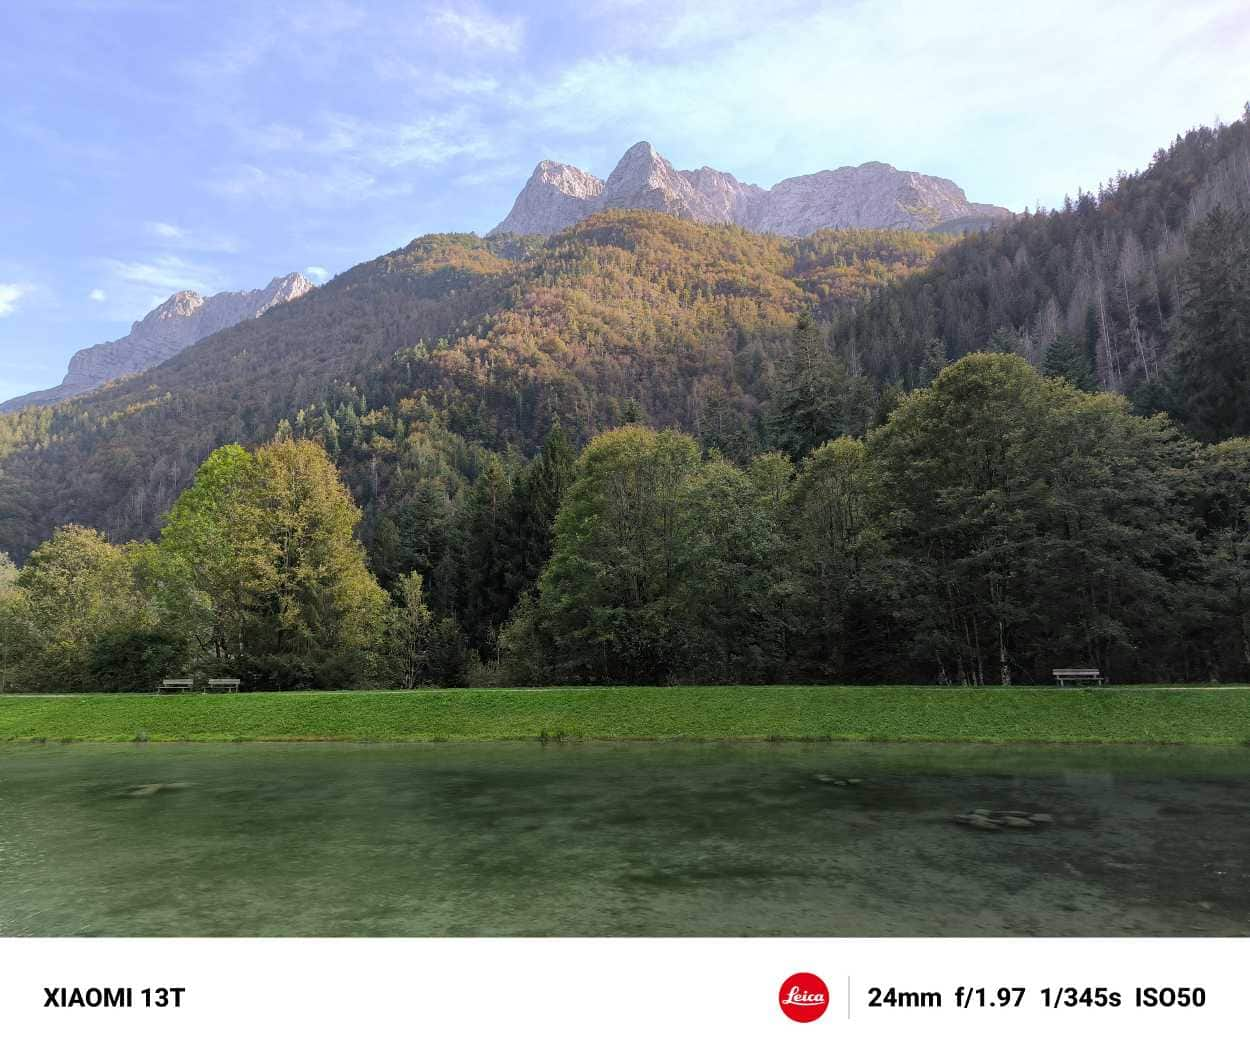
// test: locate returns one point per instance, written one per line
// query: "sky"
(152, 146)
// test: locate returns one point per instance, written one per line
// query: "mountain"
(872, 195)
(417, 369)
(456, 344)
(182, 320)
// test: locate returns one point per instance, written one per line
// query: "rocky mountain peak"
(555, 196)
(180, 320)
(183, 303)
(871, 195)
(639, 166)
(643, 179)
(283, 288)
(568, 179)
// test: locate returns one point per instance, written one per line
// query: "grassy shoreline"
(1112, 715)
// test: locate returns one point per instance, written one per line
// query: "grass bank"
(1189, 715)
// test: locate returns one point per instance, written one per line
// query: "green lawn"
(1190, 715)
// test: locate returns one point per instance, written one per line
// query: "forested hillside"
(1146, 283)
(997, 525)
(843, 500)
(454, 344)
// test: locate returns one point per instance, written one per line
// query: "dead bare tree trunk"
(1110, 354)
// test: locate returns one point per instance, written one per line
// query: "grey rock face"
(729, 199)
(555, 196)
(873, 195)
(169, 328)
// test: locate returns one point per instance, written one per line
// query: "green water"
(620, 839)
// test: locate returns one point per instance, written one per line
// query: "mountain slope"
(469, 336)
(1109, 272)
(872, 195)
(182, 320)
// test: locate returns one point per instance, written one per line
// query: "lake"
(621, 839)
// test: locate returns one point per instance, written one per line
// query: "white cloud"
(128, 288)
(479, 29)
(351, 159)
(10, 295)
(430, 142)
(317, 273)
(421, 80)
(388, 144)
(187, 239)
(166, 231)
(165, 273)
(310, 186)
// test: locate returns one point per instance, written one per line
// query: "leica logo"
(803, 997)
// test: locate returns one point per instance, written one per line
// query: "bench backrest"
(224, 682)
(177, 682)
(1076, 671)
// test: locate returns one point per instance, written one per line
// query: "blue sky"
(152, 146)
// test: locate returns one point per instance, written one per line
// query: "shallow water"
(620, 839)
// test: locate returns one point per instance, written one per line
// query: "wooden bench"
(175, 686)
(1077, 675)
(230, 686)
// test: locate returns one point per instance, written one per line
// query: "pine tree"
(1065, 358)
(1214, 354)
(806, 405)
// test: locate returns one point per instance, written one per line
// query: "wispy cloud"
(480, 29)
(165, 231)
(187, 239)
(134, 286)
(423, 81)
(351, 159)
(317, 273)
(10, 295)
(303, 186)
(56, 144)
(165, 272)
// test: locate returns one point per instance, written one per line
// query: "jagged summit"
(555, 196)
(871, 195)
(181, 320)
(643, 179)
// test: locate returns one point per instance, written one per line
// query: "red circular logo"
(803, 997)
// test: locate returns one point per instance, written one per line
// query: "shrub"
(135, 659)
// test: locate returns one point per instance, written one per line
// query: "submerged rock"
(156, 787)
(984, 818)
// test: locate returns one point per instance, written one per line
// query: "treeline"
(998, 524)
